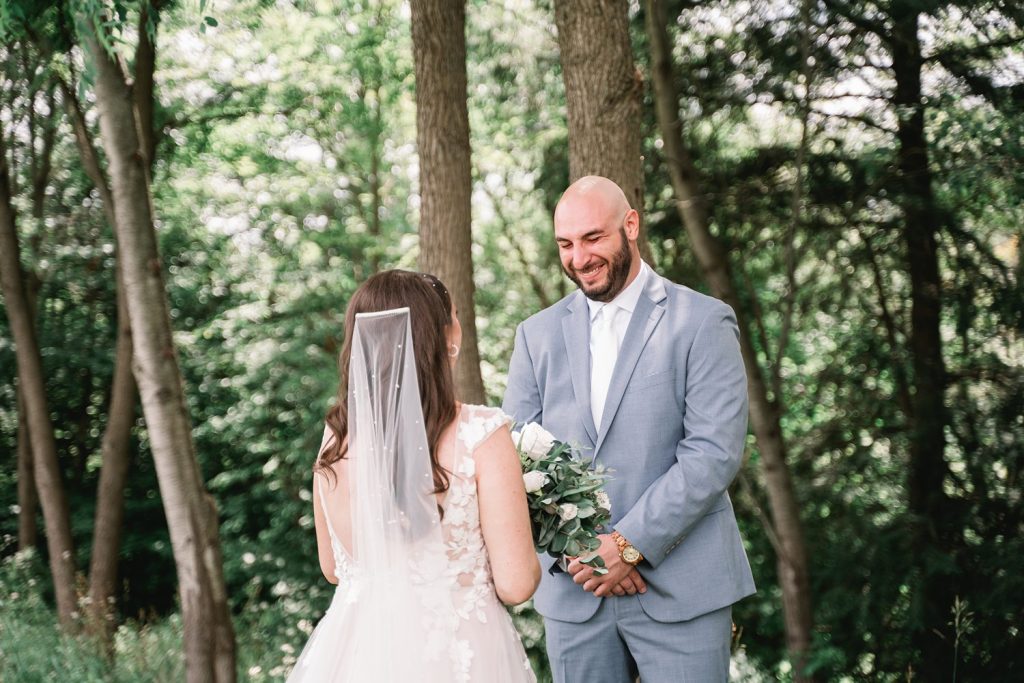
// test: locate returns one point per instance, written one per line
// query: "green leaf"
(570, 527)
(558, 543)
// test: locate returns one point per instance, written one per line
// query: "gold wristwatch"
(629, 554)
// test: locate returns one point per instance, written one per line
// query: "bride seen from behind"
(419, 504)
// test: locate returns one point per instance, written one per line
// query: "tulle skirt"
(367, 637)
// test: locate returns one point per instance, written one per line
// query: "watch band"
(627, 551)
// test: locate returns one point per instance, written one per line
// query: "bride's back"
(484, 518)
(419, 577)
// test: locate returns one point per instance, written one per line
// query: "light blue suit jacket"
(673, 429)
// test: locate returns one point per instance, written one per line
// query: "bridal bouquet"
(568, 504)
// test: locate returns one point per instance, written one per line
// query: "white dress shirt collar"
(627, 298)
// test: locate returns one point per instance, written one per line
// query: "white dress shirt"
(606, 337)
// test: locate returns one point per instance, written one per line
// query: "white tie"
(604, 349)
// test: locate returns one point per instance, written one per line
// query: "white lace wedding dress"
(465, 634)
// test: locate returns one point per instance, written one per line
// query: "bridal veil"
(392, 617)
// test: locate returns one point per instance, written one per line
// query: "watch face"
(630, 555)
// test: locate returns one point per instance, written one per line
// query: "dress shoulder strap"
(478, 423)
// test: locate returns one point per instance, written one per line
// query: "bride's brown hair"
(430, 315)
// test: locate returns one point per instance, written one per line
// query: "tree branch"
(143, 82)
(961, 52)
(790, 257)
(762, 516)
(981, 85)
(868, 24)
(90, 158)
(44, 163)
(859, 118)
(902, 386)
(742, 280)
(535, 283)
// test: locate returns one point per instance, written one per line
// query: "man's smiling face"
(596, 237)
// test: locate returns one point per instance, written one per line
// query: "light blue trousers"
(620, 642)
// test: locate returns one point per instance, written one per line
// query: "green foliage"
(828, 296)
(530, 626)
(566, 497)
(32, 648)
(270, 636)
(286, 173)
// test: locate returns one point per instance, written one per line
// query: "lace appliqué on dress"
(463, 628)
(467, 554)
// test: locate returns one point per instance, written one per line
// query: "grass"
(33, 649)
(269, 637)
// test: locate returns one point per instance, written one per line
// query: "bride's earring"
(453, 350)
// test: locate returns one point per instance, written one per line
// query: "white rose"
(534, 481)
(567, 511)
(535, 441)
(603, 501)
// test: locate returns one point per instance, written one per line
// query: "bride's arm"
(323, 537)
(505, 519)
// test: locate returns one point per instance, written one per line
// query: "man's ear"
(632, 225)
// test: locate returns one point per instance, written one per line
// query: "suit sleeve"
(522, 397)
(711, 450)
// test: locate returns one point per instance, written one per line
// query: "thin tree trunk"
(46, 467)
(115, 451)
(42, 164)
(797, 201)
(39, 172)
(28, 499)
(115, 448)
(603, 90)
(903, 396)
(928, 503)
(191, 513)
(506, 228)
(765, 414)
(375, 159)
(442, 136)
(142, 85)
(87, 151)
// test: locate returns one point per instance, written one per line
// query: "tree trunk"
(142, 85)
(928, 503)
(791, 560)
(43, 163)
(442, 135)
(46, 467)
(116, 452)
(376, 151)
(191, 513)
(28, 500)
(116, 444)
(602, 92)
(28, 497)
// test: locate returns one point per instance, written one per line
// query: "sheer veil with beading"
(392, 617)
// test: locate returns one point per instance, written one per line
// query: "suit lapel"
(645, 319)
(576, 331)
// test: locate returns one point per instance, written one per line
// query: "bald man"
(647, 376)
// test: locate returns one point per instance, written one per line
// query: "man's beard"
(618, 273)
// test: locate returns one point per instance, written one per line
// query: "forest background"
(208, 182)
